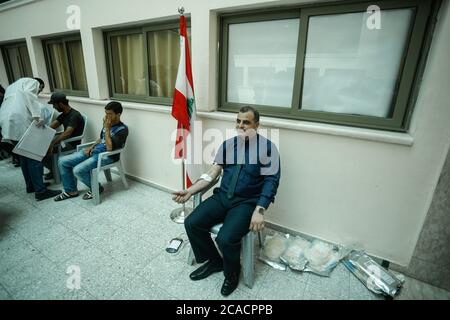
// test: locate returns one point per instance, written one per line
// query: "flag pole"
(178, 215)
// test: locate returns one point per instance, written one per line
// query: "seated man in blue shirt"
(80, 164)
(251, 175)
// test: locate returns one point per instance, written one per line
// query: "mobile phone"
(174, 245)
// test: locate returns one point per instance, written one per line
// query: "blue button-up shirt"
(260, 173)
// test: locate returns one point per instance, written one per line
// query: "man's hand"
(107, 123)
(181, 196)
(39, 122)
(88, 151)
(257, 222)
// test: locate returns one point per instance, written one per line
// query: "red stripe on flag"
(183, 32)
(180, 109)
(179, 143)
(188, 181)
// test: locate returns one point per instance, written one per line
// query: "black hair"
(255, 112)
(114, 106)
(41, 82)
(2, 90)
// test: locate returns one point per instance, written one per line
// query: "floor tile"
(119, 249)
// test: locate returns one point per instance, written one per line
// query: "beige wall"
(347, 185)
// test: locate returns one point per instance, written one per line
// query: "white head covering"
(20, 105)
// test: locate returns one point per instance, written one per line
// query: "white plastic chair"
(59, 151)
(106, 169)
(247, 246)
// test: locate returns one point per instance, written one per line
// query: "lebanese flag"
(183, 107)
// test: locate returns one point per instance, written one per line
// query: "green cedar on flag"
(183, 107)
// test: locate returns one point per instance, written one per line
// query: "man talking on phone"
(79, 164)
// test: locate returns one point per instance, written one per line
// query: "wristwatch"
(261, 210)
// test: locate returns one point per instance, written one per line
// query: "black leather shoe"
(47, 194)
(48, 176)
(229, 285)
(31, 189)
(206, 270)
(16, 162)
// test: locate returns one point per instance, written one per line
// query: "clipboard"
(35, 142)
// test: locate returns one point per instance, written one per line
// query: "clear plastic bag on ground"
(281, 250)
(323, 257)
(372, 275)
(274, 246)
(294, 256)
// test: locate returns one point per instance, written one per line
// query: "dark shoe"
(3, 155)
(31, 190)
(64, 196)
(48, 176)
(47, 194)
(15, 161)
(229, 285)
(206, 270)
(88, 195)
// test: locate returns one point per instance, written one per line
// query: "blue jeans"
(78, 165)
(32, 171)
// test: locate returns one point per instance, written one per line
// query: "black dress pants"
(235, 213)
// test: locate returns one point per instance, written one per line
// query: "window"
(65, 65)
(325, 63)
(262, 64)
(143, 62)
(17, 61)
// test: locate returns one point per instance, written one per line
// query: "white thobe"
(20, 105)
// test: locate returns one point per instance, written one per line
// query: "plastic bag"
(372, 275)
(294, 255)
(281, 250)
(323, 257)
(274, 246)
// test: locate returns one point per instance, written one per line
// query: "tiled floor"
(118, 247)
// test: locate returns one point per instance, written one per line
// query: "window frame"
(406, 78)
(143, 30)
(7, 62)
(50, 68)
